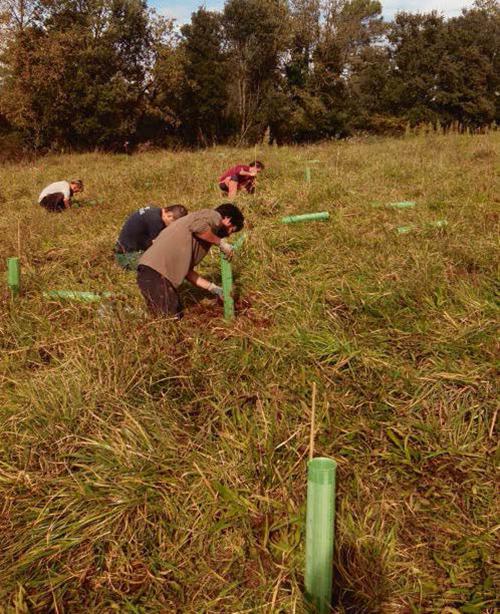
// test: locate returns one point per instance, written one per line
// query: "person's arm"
(67, 203)
(204, 284)
(208, 236)
(250, 173)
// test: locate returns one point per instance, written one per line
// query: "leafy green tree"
(369, 91)
(445, 71)
(256, 33)
(329, 41)
(206, 70)
(418, 43)
(469, 70)
(87, 73)
(161, 120)
(79, 72)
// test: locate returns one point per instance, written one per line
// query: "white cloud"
(449, 7)
(181, 10)
(178, 11)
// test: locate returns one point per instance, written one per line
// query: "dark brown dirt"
(207, 310)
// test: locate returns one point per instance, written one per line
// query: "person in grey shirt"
(178, 249)
(57, 196)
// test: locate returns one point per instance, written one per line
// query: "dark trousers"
(160, 295)
(53, 202)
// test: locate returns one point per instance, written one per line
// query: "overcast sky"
(181, 10)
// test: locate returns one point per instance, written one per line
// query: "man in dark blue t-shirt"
(140, 230)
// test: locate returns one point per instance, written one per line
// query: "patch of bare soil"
(207, 310)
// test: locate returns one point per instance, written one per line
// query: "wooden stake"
(313, 420)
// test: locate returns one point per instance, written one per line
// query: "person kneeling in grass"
(57, 196)
(178, 249)
(140, 230)
(240, 177)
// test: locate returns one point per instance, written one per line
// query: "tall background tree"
(76, 71)
(206, 68)
(256, 33)
(95, 73)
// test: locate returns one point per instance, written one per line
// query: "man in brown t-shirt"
(178, 249)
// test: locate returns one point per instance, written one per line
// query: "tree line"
(111, 74)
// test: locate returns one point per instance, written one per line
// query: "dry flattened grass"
(146, 467)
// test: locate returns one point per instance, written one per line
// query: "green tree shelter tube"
(305, 217)
(74, 295)
(14, 275)
(320, 522)
(307, 174)
(402, 230)
(407, 204)
(227, 280)
(438, 224)
(227, 287)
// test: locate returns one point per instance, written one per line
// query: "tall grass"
(147, 467)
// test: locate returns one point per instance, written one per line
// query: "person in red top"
(240, 177)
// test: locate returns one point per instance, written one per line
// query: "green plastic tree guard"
(227, 280)
(308, 174)
(227, 287)
(320, 523)
(14, 275)
(403, 205)
(403, 230)
(74, 295)
(305, 217)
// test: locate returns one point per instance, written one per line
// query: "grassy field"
(152, 467)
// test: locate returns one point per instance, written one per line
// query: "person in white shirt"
(57, 196)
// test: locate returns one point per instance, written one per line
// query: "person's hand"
(216, 290)
(226, 248)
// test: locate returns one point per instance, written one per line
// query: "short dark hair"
(258, 164)
(177, 210)
(233, 213)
